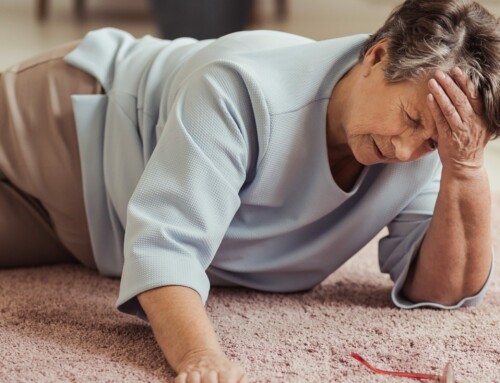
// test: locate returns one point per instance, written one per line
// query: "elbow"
(444, 291)
(444, 298)
(447, 297)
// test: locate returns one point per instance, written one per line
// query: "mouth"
(378, 152)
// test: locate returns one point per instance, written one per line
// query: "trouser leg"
(39, 156)
(26, 237)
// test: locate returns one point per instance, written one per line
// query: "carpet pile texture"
(58, 324)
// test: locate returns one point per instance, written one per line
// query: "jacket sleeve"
(406, 233)
(189, 191)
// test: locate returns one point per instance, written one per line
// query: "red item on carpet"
(445, 377)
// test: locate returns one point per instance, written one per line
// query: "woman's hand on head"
(209, 367)
(457, 111)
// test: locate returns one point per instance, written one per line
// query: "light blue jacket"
(206, 164)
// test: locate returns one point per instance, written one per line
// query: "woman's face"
(388, 123)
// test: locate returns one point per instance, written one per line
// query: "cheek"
(371, 124)
(363, 126)
(362, 149)
(376, 117)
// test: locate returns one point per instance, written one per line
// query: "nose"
(405, 148)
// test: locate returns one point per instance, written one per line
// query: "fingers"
(181, 378)
(231, 376)
(212, 367)
(461, 91)
(440, 120)
(469, 89)
(453, 102)
(210, 377)
(194, 377)
(448, 116)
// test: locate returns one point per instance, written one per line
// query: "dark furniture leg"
(79, 9)
(41, 9)
(281, 9)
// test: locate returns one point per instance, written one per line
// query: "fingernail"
(457, 71)
(433, 83)
(440, 74)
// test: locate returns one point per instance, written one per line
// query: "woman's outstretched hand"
(186, 336)
(457, 111)
(209, 367)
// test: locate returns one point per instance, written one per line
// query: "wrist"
(465, 186)
(464, 173)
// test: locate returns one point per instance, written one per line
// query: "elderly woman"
(260, 159)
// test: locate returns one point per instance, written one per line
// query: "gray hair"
(424, 35)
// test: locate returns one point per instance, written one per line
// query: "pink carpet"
(57, 324)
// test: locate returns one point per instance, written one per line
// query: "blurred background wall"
(23, 34)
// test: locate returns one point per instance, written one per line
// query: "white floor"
(22, 36)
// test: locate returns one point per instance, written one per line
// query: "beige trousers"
(42, 214)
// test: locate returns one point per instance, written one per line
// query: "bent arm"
(455, 256)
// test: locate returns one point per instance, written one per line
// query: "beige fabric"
(42, 214)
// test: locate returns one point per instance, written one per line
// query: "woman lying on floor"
(260, 159)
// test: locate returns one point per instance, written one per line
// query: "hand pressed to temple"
(457, 111)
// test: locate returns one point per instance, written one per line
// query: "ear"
(375, 56)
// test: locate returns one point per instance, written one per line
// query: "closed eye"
(414, 121)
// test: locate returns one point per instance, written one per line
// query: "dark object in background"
(201, 19)
(42, 9)
(196, 18)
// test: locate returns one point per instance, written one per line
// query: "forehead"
(415, 90)
(413, 94)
